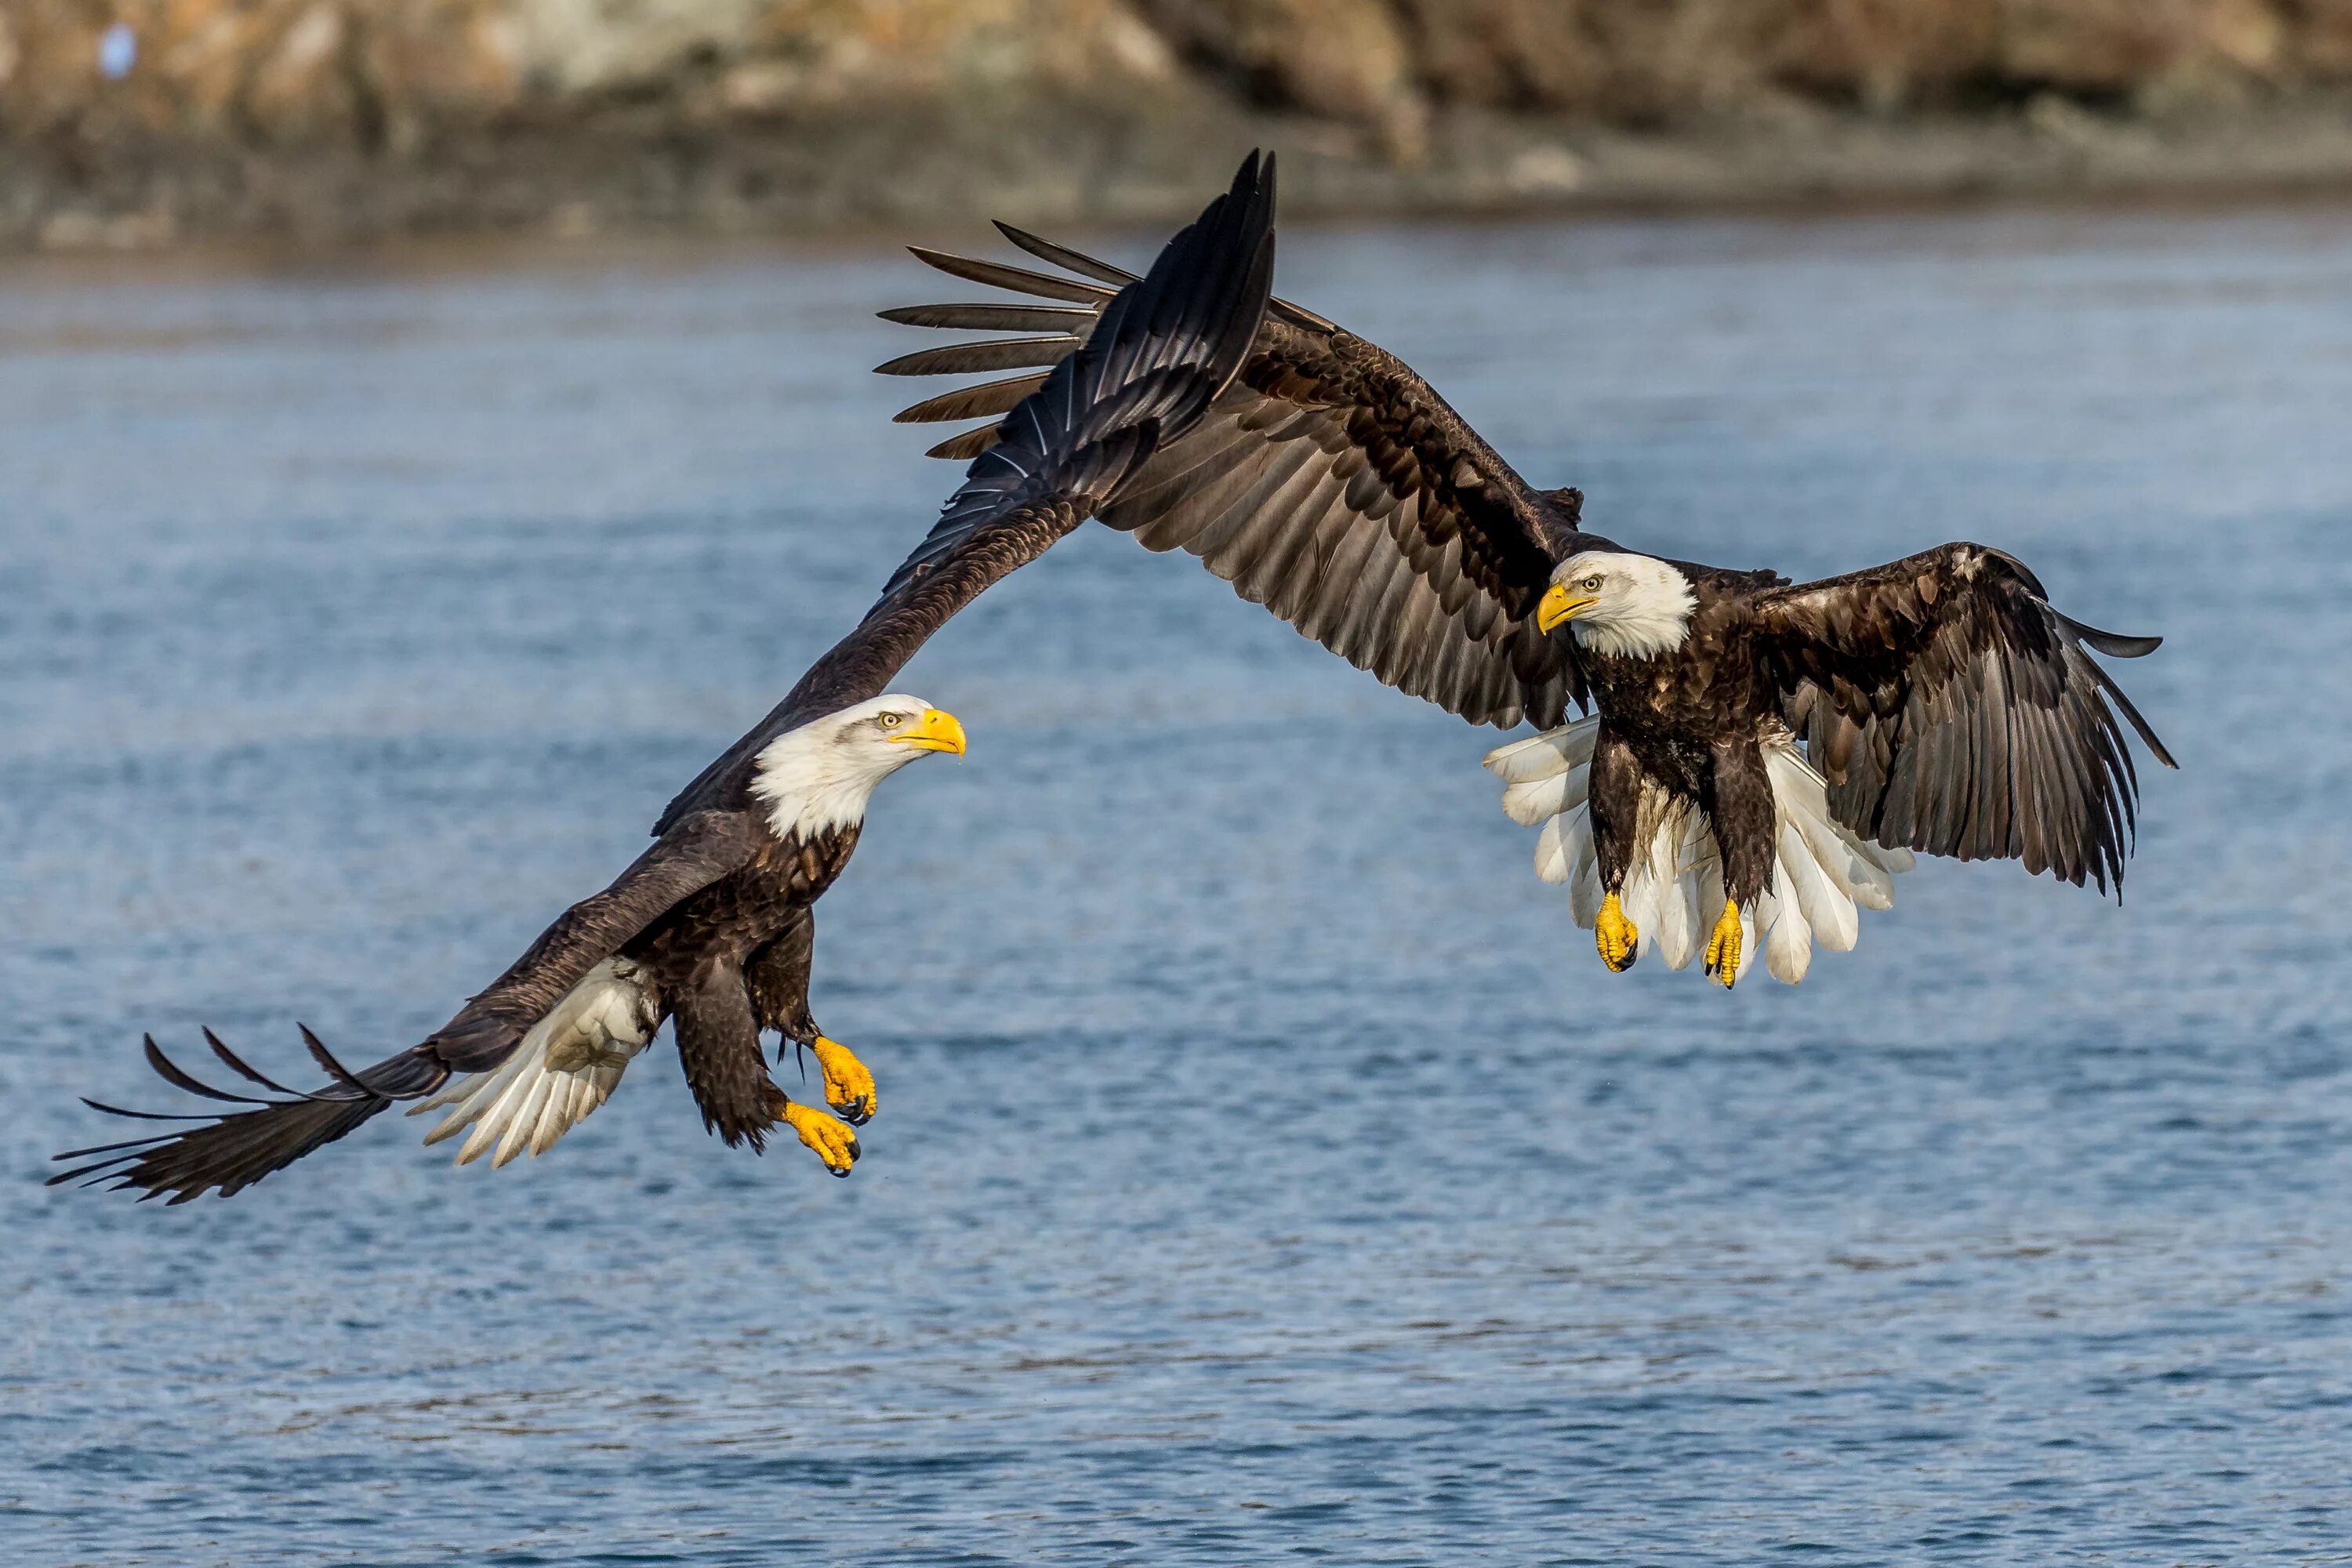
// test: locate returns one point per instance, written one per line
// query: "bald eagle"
(1759, 755)
(712, 927)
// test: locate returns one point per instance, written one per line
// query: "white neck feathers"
(820, 775)
(810, 785)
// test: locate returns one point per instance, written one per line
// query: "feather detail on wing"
(567, 1065)
(1329, 483)
(1953, 711)
(695, 849)
(231, 1149)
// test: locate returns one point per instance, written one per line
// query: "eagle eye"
(889, 720)
(1592, 583)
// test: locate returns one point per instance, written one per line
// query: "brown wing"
(236, 1149)
(1329, 483)
(1955, 712)
(695, 852)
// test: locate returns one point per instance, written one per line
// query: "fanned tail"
(233, 1150)
(1823, 874)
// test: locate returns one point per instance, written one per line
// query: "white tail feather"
(1682, 918)
(1542, 756)
(1552, 863)
(1584, 883)
(1823, 874)
(1827, 909)
(564, 1069)
(1676, 933)
(1530, 803)
(1789, 939)
(1639, 899)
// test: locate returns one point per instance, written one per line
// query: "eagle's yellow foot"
(832, 1142)
(1619, 942)
(848, 1087)
(1723, 946)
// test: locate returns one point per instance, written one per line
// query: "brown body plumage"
(702, 956)
(1690, 723)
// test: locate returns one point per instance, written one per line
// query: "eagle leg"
(1619, 940)
(1722, 945)
(848, 1087)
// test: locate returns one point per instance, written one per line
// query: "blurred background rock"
(132, 123)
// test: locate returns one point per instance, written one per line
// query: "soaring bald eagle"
(712, 927)
(1764, 754)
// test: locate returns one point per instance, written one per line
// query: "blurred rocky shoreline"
(137, 123)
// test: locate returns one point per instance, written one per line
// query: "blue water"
(1266, 1171)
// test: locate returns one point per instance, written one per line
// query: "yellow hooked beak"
(936, 731)
(1559, 606)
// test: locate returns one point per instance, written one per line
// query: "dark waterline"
(1265, 1169)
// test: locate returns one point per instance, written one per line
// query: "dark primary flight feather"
(1329, 483)
(1157, 356)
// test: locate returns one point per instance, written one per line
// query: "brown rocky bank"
(130, 122)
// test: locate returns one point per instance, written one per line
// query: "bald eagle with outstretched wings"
(1760, 754)
(712, 928)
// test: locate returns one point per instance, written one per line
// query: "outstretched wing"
(236, 1149)
(1329, 483)
(1163, 351)
(1955, 712)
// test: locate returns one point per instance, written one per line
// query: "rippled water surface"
(1267, 1170)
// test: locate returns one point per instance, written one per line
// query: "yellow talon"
(1619, 942)
(848, 1087)
(1722, 945)
(832, 1142)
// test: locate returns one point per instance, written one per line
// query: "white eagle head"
(819, 774)
(1631, 606)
